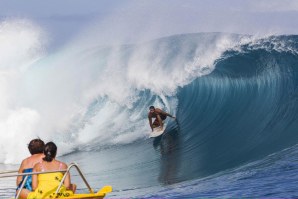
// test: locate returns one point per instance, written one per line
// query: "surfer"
(159, 116)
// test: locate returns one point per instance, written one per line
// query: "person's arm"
(170, 115)
(150, 122)
(34, 177)
(164, 113)
(67, 179)
(19, 178)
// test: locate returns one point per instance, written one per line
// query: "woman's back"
(49, 178)
(49, 182)
(45, 185)
(50, 166)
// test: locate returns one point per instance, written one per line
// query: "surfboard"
(156, 132)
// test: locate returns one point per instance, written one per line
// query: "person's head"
(151, 109)
(36, 146)
(50, 151)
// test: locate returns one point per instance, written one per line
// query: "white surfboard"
(156, 132)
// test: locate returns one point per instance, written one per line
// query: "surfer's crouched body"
(159, 116)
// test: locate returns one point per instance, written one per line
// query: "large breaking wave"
(235, 98)
(79, 95)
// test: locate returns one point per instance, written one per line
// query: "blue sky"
(138, 20)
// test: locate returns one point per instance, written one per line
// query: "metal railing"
(8, 174)
(81, 174)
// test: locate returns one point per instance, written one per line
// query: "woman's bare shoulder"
(63, 165)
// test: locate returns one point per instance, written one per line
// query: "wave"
(244, 110)
(234, 97)
(76, 96)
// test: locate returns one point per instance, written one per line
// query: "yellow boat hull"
(99, 195)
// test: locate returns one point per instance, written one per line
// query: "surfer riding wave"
(159, 116)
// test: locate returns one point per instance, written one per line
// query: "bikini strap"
(41, 165)
(60, 166)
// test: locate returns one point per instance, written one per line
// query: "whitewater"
(234, 96)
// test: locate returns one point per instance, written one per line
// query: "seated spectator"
(45, 185)
(36, 147)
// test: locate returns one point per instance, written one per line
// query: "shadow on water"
(168, 145)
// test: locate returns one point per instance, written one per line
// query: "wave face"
(235, 98)
(244, 110)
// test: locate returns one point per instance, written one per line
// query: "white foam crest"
(16, 131)
(112, 82)
(276, 44)
(114, 124)
(203, 63)
(21, 44)
(61, 88)
(20, 47)
(267, 42)
(146, 72)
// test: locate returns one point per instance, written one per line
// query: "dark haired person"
(159, 116)
(45, 185)
(36, 147)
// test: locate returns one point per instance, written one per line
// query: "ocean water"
(234, 96)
